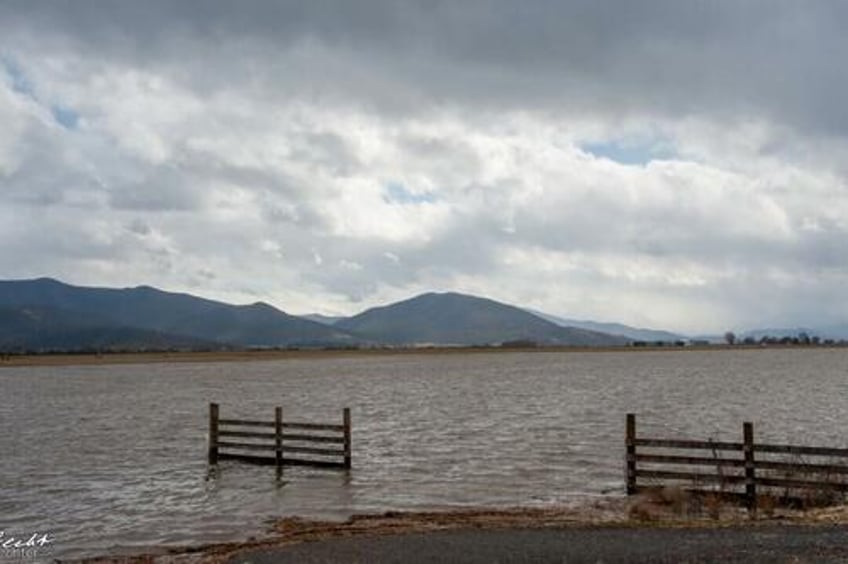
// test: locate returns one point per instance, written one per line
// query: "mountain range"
(46, 315)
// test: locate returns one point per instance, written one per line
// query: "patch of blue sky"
(21, 83)
(630, 152)
(17, 77)
(397, 193)
(66, 117)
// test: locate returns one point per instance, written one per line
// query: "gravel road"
(772, 543)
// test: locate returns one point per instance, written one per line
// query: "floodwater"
(112, 459)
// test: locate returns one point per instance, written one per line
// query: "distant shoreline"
(117, 358)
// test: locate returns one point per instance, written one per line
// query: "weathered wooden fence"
(242, 438)
(735, 469)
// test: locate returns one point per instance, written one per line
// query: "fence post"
(213, 433)
(630, 443)
(347, 437)
(750, 471)
(278, 437)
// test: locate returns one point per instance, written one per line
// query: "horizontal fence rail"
(733, 465)
(315, 440)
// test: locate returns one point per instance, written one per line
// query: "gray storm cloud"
(773, 58)
(666, 163)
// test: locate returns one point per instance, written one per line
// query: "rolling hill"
(458, 319)
(180, 318)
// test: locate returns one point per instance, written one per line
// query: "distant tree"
(730, 338)
(804, 338)
(520, 344)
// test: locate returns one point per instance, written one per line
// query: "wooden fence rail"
(732, 465)
(278, 442)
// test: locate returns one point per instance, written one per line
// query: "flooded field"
(113, 458)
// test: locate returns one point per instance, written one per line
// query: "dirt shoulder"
(646, 513)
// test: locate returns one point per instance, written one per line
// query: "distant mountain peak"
(45, 280)
(147, 288)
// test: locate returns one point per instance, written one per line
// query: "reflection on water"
(114, 457)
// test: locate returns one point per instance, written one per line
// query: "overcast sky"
(680, 165)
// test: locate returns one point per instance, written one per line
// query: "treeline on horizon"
(802, 339)
(799, 341)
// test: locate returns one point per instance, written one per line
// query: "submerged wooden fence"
(737, 469)
(281, 439)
